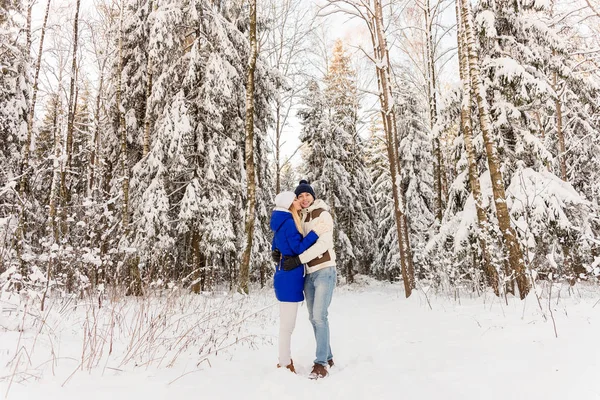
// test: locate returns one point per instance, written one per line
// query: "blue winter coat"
(289, 285)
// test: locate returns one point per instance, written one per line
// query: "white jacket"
(321, 254)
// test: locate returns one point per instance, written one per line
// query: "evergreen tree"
(14, 97)
(386, 263)
(527, 68)
(189, 191)
(417, 174)
(335, 163)
(14, 109)
(415, 158)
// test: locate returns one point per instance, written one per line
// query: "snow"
(487, 20)
(543, 195)
(385, 347)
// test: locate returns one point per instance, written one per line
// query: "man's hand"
(289, 263)
(276, 255)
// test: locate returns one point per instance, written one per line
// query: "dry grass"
(126, 333)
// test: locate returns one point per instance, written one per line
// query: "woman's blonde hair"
(297, 219)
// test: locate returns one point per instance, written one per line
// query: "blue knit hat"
(304, 187)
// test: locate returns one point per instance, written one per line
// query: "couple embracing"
(303, 250)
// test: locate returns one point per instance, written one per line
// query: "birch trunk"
(149, 72)
(146, 148)
(467, 128)
(26, 149)
(250, 174)
(56, 172)
(515, 255)
(28, 25)
(278, 165)
(559, 130)
(198, 264)
(431, 94)
(388, 116)
(27, 144)
(95, 145)
(134, 284)
(122, 133)
(54, 188)
(54, 195)
(71, 106)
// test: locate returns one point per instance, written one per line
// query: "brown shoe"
(318, 371)
(290, 366)
(331, 363)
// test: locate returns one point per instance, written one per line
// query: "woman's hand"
(276, 256)
(290, 263)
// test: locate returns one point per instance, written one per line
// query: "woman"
(321, 274)
(289, 284)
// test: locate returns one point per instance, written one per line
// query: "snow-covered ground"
(385, 347)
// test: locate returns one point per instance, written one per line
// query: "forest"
(142, 142)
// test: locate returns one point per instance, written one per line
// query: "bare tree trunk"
(278, 165)
(515, 255)
(432, 97)
(146, 148)
(28, 25)
(53, 202)
(56, 171)
(134, 286)
(250, 174)
(71, 106)
(467, 128)
(263, 274)
(410, 267)
(52, 224)
(26, 150)
(27, 144)
(122, 134)
(149, 73)
(388, 116)
(198, 263)
(559, 130)
(95, 145)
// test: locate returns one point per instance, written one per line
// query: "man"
(321, 274)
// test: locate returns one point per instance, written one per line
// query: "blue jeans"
(318, 290)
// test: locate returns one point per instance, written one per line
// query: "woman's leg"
(287, 323)
(323, 282)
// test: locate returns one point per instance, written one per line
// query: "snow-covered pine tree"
(417, 172)
(289, 178)
(529, 76)
(386, 263)
(189, 192)
(445, 267)
(14, 109)
(416, 160)
(335, 164)
(315, 124)
(455, 254)
(140, 27)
